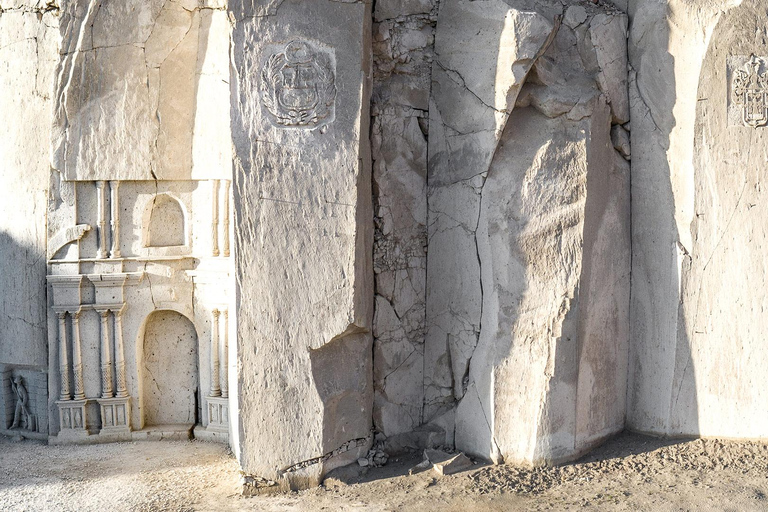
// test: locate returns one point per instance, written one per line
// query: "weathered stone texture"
(28, 60)
(133, 79)
(304, 236)
(402, 67)
(528, 257)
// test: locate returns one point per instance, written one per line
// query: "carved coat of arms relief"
(298, 85)
(749, 92)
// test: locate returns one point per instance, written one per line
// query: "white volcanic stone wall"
(28, 43)
(698, 349)
(528, 258)
(304, 234)
(403, 40)
(141, 90)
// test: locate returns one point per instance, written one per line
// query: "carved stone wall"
(139, 220)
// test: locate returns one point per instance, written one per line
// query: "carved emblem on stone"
(749, 92)
(298, 85)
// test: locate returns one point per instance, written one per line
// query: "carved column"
(101, 196)
(225, 354)
(106, 356)
(63, 357)
(114, 220)
(215, 388)
(122, 386)
(225, 215)
(77, 360)
(215, 220)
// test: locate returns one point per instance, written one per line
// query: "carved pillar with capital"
(101, 196)
(122, 386)
(215, 388)
(65, 389)
(215, 217)
(77, 360)
(224, 354)
(106, 354)
(225, 217)
(114, 220)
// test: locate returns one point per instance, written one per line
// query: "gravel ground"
(631, 472)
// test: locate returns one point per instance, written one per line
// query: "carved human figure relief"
(748, 103)
(22, 417)
(298, 85)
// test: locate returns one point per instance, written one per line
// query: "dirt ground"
(630, 472)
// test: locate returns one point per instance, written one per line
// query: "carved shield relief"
(298, 85)
(748, 105)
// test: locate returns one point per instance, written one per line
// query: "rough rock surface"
(402, 66)
(28, 35)
(528, 259)
(149, 77)
(304, 235)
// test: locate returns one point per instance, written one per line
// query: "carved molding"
(66, 236)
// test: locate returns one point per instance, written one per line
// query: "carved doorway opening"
(170, 377)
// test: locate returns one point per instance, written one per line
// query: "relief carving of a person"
(22, 418)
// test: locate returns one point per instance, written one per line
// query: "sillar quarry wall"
(319, 230)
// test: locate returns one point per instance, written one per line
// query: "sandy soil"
(629, 473)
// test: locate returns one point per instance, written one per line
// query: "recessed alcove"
(164, 223)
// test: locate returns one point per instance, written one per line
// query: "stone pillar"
(224, 376)
(122, 386)
(106, 356)
(101, 197)
(215, 217)
(215, 388)
(303, 209)
(66, 393)
(114, 220)
(77, 360)
(528, 258)
(225, 217)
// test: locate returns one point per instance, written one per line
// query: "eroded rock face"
(28, 35)
(402, 67)
(301, 99)
(431, 239)
(133, 73)
(528, 262)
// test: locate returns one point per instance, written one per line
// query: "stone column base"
(75, 425)
(115, 417)
(218, 420)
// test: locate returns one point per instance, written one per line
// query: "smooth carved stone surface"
(697, 222)
(302, 199)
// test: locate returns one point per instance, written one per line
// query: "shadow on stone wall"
(661, 369)
(23, 327)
